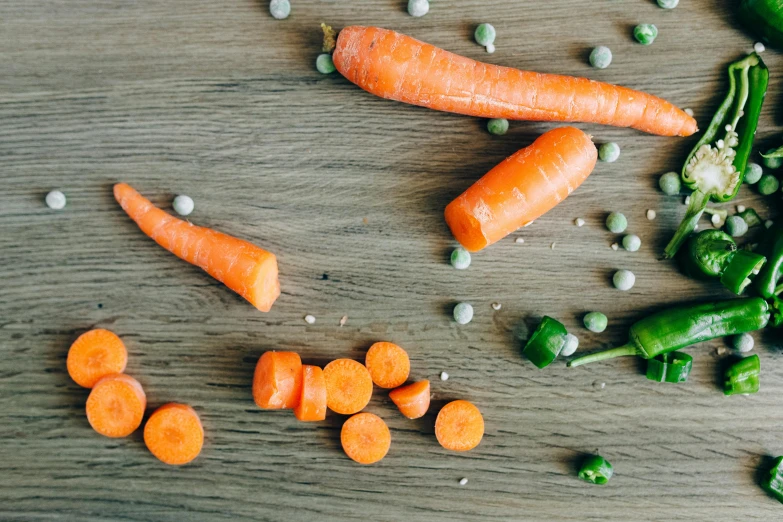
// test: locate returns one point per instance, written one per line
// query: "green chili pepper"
(596, 470)
(669, 367)
(773, 481)
(777, 311)
(682, 326)
(707, 254)
(545, 344)
(715, 167)
(742, 266)
(764, 18)
(768, 283)
(751, 217)
(743, 376)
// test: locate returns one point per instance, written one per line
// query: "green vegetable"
(545, 344)
(768, 185)
(678, 327)
(742, 266)
(485, 34)
(751, 217)
(497, 126)
(632, 243)
(463, 313)
(280, 9)
(773, 480)
(645, 34)
(736, 226)
(743, 376)
(570, 345)
(743, 343)
(623, 280)
(707, 254)
(595, 322)
(324, 64)
(669, 367)
(714, 169)
(773, 159)
(460, 258)
(764, 18)
(668, 4)
(768, 283)
(596, 470)
(719, 215)
(616, 222)
(609, 152)
(753, 173)
(418, 8)
(670, 183)
(601, 57)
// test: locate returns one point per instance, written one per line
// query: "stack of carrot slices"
(345, 386)
(116, 404)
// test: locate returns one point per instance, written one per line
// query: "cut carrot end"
(465, 228)
(459, 426)
(348, 386)
(115, 407)
(174, 434)
(413, 400)
(388, 364)
(266, 289)
(312, 403)
(94, 355)
(277, 381)
(365, 438)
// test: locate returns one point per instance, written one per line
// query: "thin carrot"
(312, 405)
(174, 434)
(413, 400)
(397, 67)
(94, 355)
(116, 405)
(277, 381)
(245, 268)
(459, 426)
(388, 364)
(522, 187)
(348, 386)
(365, 438)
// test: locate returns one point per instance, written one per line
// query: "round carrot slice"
(459, 426)
(277, 382)
(348, 386)
(365, 438)
(94, 355)
(412, 400)
(312, 406)
(116, 405)
(174, 434)
(388, 364)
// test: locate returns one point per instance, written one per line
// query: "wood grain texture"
(219, 101)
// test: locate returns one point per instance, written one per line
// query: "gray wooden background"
(217, 100)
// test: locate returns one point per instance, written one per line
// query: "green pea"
(497, 126)
(324, 64)
(418, 8)
(773, 162)
(616, 222)
(624, 280)
(743, 342)
(570, 345)
(463, 313)
(632, 243)
(609, 152)
(601, 57)
(668, 4)
(596, 322)
(645, 34)
(736, 226)
(280, 9)
(768, 184)
(460, 258)
(753, 173)
(670, 183)
(485, 34)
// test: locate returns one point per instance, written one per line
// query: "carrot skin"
(245, 268)
(397, 67)
(413, 400)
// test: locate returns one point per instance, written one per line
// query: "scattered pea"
(280, 9)
(55, 200)
(463, 313)
(183, 205)
(609, 152)
(596, 322)
(632, 243)
(736, 226)
(601, 57)
(768, 184)
(670, 183)
(460, 258)
(624, 280)
(485, 35)
(324, 64)
(743, 342)
(668, 4)
(497, 126)
(645, 34)
(753, 173)
(570, 345)
(616, 222)
(772, 163)
(418, 8)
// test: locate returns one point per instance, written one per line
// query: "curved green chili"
(742, 378)
(768, 282)
(669, 367)
(742, 266)
(707, 254)
(545, 344)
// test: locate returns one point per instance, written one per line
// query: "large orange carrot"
(312, 405)
(459, 426)
(245, 268)
(413, 400)
(94, 355)
(388, 364)
(116, 405)
(397, 67)
(174, 434)
(348, 386)
(277, 381)
(521, 188)
(365, 438)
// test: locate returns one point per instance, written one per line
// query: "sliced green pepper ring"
(669, 367)
(743, 376)
(545, 344)
(596, 470)
(743, 264)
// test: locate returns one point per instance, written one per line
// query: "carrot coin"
(365, 438)
(277, 382)
(348, 386)
(174, 434)
(94, 355)
(312, 405)
(412, 400)
(116, 405)
(459, 426)
(388, 364)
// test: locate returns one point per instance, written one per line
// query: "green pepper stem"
(695, 209)
(627, 349)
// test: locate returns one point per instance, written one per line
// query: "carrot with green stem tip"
(245, 268)
(397, 67)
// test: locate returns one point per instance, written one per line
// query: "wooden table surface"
(220, 101)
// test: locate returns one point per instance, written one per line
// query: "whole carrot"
(245, 268)
(397, 67)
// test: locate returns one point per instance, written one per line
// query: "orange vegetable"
(459, 426)
(412, 400)
(245, 268)
(277, 381)
(397, 67)
(522, 187)
(116, 405)
(388, 364)
(365, 438)
(94, 355)
(348, 386)
(312, 405)
(174, 434)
